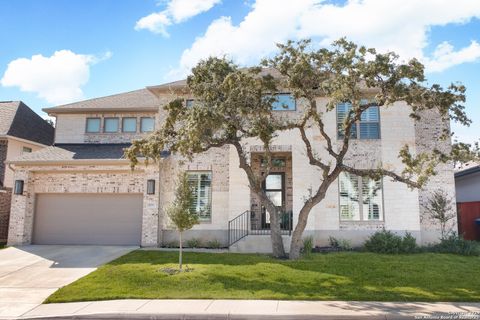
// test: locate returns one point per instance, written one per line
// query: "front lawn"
(336, 276)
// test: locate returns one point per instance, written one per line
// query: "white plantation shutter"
(201, 183)
(372, 199)
(370, 123)
(349, 205)
(342, 112)
(360, 198)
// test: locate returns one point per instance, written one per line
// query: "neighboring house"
(21, 131)
(83, 191)
(467, 185)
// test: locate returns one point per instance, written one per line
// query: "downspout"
(160, 217)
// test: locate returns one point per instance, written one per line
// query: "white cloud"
(398, 25)
(57, 79)
(177, 11)
(444, 56)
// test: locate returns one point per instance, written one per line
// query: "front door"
(274, 187)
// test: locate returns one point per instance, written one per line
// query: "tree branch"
(376, 173)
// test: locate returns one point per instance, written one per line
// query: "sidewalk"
(252, 309)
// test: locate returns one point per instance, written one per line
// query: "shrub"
(193, 243)
(307, 245)
(340, 244)
(457, 245)
(409, 243)
(214, 244)
(171, 244)
(388, 242)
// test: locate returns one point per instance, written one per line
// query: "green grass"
(336, 276)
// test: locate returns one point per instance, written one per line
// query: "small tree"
(441, 209)
(179, 211)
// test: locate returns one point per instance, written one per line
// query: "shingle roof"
(18, 120)
(141, 99)
(69, 152)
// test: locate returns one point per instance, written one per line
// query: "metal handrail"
(238, 227)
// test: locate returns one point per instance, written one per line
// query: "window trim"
(141, 124)
(360, 204)
(105, 122)
(99, 126)
(294, 102)
(357, 126)
(123, 127)
(210, 194)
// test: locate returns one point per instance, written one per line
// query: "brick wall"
(5, 200)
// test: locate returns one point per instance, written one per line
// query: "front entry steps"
(257, 244)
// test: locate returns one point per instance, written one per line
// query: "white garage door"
(102, 219)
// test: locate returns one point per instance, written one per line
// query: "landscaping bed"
(335, 276)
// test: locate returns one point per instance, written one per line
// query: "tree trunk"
(180, 252)
(296, 243)
(278, 249)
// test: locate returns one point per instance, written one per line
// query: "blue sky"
(60, 51)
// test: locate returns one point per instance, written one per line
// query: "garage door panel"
(107, 219)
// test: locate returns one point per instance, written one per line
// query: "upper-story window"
(93, 125)
(129, 124)
(147, 124)
(367, 128)
(360, 198)
(284, 102)
(26, 150)
(110, 125)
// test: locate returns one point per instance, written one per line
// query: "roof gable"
(18, 120)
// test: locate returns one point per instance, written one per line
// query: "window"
(276, 162)
(201, 183)
(110, 125)
(147, 124)
(129, 124)
(273, 187)
(93, 125)
(26, 150)
(367, 128)
(189, 103)
(360, 198)
(284, 102)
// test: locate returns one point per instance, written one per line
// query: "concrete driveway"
(29, 274)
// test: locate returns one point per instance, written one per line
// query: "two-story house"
(21, 131)
(83, 191)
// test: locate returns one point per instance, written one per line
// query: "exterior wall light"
(18, 189)
(151, 186)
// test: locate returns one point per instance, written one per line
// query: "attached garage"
(95, 219)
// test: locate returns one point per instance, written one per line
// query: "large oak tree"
(235, 104)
